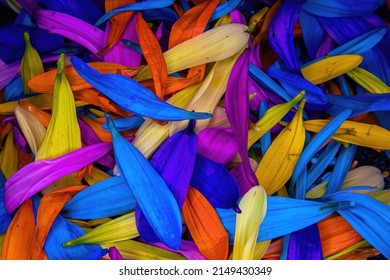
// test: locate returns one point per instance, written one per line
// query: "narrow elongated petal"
(5, 218)
(118, 229)
(72, 28)
(151, 192)
(139, 101)
(178, 154)
(214, 182)
(278, 163)
(37, 175)
(153, 55)
(138, 6)
(213, 45)
(368, 80)
(253, 206)
(334, 8)
(8, 160)
(205, 227)
(271, 118)
(31, 63)
(330, 67)
(362, 134)
(20, 234)
(32, 129)
(305, 244)
(314, 145)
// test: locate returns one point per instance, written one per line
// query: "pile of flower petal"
(201, 129)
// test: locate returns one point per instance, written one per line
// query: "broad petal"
(305, 244)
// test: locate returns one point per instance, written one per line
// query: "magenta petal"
(243, 183)
(114, 253)
(187, 249)
(35, 176)
(217, 144)
(120, 53)
(72, 28)
(237, 110)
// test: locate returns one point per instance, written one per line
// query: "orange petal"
(41, 115)
(118, 22)
(265, 24)
(20, 234)
(104, 136)
(153, 55)
(205, 227)
(44, 83)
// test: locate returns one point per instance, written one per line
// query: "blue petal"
(359, 104)
(97, 255)
(164, 15)
(137, 6)
(5, 218)
(108, 198)
(323, 135)
(343, 164)
(151, 192)
(126, 123)
(345, 8)
(132, 96)
(13, 89)
(224, 9)
(305, 244)
(85, 9)
(214, 181)
(62, 231)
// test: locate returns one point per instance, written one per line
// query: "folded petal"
(37, 175)
(139, 101)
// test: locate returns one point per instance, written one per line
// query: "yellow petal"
(63, 133)
(209, 94)
(213, 45)
(330, 67)
(134, 250)
(42, 101)
(278, 163)
(119, 229)
(261, 249)
(151, 134)
(271, 118)
(361, 244)
(253, 206)
(32, 129)
(1, 242)
(383, 196)
(96, 176)
(361, 134)
(368, 80)
(31, 65)
(9, 156)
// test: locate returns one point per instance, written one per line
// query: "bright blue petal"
(62, 231)
(341, 168)
(214, 181)
(126, 123)
(132, 96)
(164, 15)
(224, 9)
(345, 8)
(323, 135)
(151, 192)
(137, 6)
(108, 198)
(97, 255)
(13, 90)
(5, 218)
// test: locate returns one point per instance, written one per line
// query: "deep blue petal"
(305, 244)
(164, 15)
(345, 8)
(13, 89)
(215, 183)
(5, 218)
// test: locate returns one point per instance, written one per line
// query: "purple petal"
(237, 110)
(281, 33)
(35, 176)
(305, 244)
(120, 53)
(29, 6)
(19, 139)
(238, 174)
(218, 144)
(174, 161)
(114, 253)
(188, 249)
(8, 72)
(72, 28)
(237, 17)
